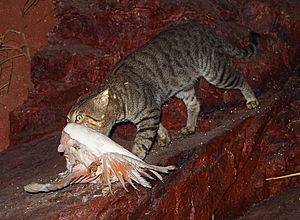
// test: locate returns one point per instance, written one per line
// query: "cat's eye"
(76, 147)
(78, 118)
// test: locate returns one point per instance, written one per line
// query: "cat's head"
(93, 111)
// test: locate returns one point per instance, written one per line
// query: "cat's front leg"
(147, 128)
(163, 138)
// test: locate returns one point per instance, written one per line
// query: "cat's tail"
(244, 52)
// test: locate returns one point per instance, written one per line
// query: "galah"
(93, 157)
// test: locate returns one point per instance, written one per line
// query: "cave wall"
(89, 37)
(19, 18)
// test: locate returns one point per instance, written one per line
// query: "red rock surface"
(222, 168)
(90, 37)
(220, 172)
(34, 19)
(283, 206)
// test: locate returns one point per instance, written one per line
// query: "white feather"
(96, 142)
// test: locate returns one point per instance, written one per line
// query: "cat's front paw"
(139, 151)
(164, 140)
(252, 103)
(187, 130)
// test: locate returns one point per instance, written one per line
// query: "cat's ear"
(102, 98)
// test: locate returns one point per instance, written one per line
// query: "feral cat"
(165, 66)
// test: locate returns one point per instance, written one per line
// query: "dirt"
(29, 163)
(34, 18)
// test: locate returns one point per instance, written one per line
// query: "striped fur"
(168, 65)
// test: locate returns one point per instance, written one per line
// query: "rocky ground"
(221, 168)
(220, 172)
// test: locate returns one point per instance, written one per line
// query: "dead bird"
(95, 158)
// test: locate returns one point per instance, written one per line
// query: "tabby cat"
(167, 65)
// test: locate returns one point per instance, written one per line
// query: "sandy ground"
(34, 18)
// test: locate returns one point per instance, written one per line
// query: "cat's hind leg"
(251, 100)
(235, 80)
(226, 77)
(193, 107)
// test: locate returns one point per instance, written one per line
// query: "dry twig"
(285, 176)
(13, 45)
(28, 5)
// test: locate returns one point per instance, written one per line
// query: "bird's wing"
(79, 175)
(126, 168)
